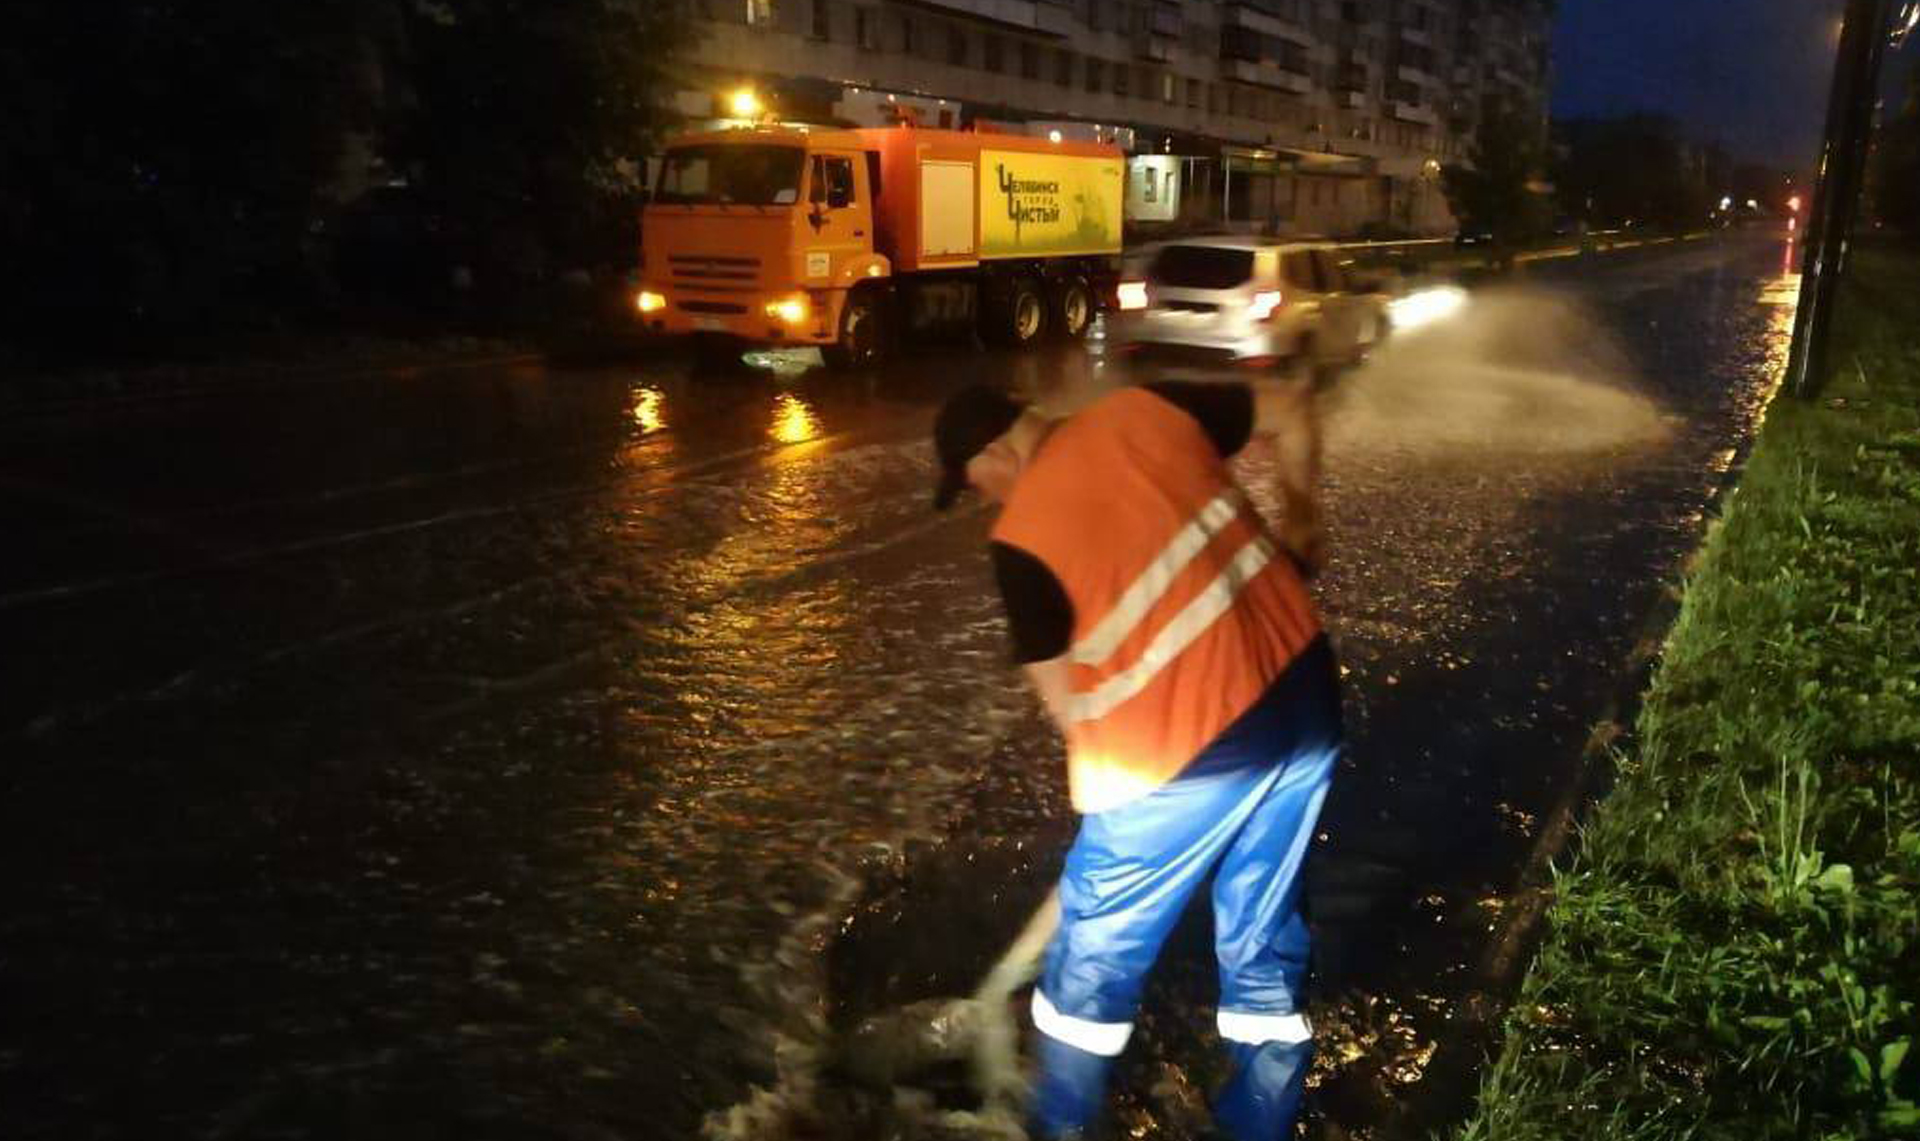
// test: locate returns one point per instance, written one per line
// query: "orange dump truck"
(858, 240)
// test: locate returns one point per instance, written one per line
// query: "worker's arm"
(1049, 680)
(1284, 414)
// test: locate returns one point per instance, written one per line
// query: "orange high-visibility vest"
(1184, 608)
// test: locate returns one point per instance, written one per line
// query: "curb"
(1461, 1053)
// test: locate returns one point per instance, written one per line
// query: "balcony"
(1027, 15)
(1412, 113)
(1240, 14)
(1410, 74)
(1266, 74)
(1164, 20)
(1153, 48)
(1418, 36)
(1350, 99)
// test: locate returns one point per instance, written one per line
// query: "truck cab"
(761, 235)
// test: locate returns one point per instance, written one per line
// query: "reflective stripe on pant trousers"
(1245, 812)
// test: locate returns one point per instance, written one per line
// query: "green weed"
(1735, 953)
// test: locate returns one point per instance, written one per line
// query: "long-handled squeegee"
(981, 1029)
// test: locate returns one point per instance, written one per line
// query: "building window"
(1169, 89)
(759, 13)
(1291, 57)
(1096, 74)
(866, 29)
(906, 35)
(1029, 60)
(993, 54)
(1213, 99)
(1193, 93)
(1240, 44)
(1093, 14)
(956, 45)
(822, 22)
(1063, 68)
(1122, 78)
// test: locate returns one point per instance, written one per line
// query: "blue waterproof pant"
(1244, 811)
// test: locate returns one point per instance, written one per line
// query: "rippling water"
(574, 754)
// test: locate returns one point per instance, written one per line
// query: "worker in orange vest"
(1169, 633)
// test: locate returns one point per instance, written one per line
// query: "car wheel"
(1073, 309)
(862, 341)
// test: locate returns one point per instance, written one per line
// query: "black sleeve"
(1039, 615)
(1225, 410)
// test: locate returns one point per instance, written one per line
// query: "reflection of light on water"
(647, 413)
(1425, 306)
(794, 421)
(783, 362)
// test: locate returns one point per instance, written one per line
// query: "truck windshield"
(730, 175)
(1201, 267)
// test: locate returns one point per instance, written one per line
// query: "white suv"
(1252, 300)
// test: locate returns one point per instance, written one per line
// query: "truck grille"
(715, 307)
(696, 269)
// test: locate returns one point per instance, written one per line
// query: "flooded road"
(531, 753)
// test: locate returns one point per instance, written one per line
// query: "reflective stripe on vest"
(1177, 635)
(1153, 583)
(1183, 612)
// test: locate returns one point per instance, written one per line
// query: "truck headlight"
(792, 310)
(650, 302)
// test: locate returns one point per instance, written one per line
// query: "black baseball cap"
(972, 418)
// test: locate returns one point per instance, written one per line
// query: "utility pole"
(1836, 196)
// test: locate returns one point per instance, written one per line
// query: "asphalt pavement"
(531, 753)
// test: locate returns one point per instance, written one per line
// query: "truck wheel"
(862, 334)
(1072, 309)
(1017, 317)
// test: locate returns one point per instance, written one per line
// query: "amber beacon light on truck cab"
(859, 240)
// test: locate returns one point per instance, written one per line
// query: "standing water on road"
(546, 754)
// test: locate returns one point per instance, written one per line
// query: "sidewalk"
(1731, 955)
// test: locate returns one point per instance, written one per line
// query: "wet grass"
(1735, 952)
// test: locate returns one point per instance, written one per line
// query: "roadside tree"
(1492, 190)
(521, 122)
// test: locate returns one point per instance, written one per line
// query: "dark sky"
(1750, 74)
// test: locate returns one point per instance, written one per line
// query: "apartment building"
(1282, 116)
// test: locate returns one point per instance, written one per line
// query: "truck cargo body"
(851, 240)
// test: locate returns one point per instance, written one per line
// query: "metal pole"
(1836, 197)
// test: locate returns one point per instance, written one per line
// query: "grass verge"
(1735, 952)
